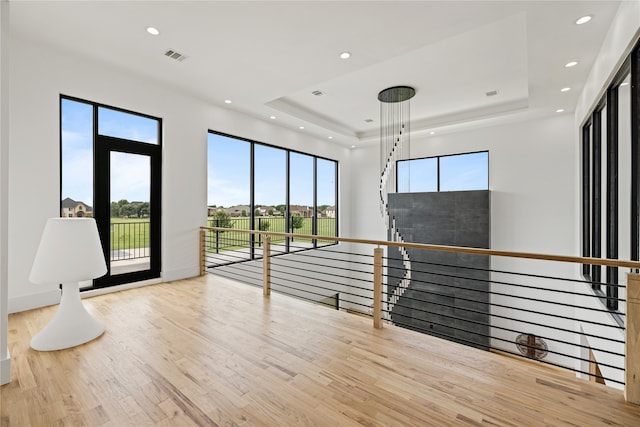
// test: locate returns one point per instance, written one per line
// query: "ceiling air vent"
(368, 120)
(175, 55)
(491, 93)
(317, 93)
(532, 346)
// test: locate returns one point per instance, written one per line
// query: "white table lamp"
(69, 252)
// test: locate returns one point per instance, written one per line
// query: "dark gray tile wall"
(449, 293)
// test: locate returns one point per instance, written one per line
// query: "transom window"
(457, 172)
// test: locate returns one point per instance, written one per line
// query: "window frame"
(438, 170)
(100, 189)
(591, 146)
(252, 207)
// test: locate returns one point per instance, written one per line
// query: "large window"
(457, 172)
(254, 186)
(610, 174)
(111, 170)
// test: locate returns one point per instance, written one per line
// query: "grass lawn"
(133, 233)
(229, 240)
(129, 233)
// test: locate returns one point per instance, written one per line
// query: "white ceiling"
(268, 57)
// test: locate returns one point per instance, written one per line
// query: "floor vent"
(532, 346)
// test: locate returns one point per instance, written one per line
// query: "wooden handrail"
(443, 248)
(632, 347)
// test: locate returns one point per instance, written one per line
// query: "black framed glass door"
(127, 209)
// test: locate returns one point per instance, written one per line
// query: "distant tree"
(244, 212)
(281, 208)
(256, 212)
(115, 210)
(222, 219)
(144, 210)
(270, 212)
(263, 225)
(296, 221)
(129, 211)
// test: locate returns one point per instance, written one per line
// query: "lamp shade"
(69, 251)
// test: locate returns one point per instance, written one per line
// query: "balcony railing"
(534, 306)
(129, 240)
(234, 237)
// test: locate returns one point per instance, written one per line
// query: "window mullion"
(612, 195)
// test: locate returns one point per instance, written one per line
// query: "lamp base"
(72, 325)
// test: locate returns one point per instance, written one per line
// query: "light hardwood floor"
(209, 351)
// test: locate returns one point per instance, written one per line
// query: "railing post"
(377, 288)
(266, 266)
(217, 236)
(632, 347)
(203, 252)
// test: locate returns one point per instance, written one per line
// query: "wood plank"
(632, 348)
(209, 351)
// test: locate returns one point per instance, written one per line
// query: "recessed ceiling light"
(560, 110)
(330, 137)
(571, 64)
(227, 101)
(583, 20)
(432, 133)
(345, 55)
(272, 117)
(353, 146)
(301, 127)
(565, 89)
(624, 84)
(153, 31)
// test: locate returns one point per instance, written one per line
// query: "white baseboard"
(116, 288)
(5, 369)
(29, 302)
(183, 273)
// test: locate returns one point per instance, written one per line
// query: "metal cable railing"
(534, 306)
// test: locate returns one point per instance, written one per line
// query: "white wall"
(4, 179)
(39, 76)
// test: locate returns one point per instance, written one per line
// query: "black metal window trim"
(596, 196)
(592, 176)
(586, 197)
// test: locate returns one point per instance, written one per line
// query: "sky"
(457, 173)
(229, 175)
(130, 173)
